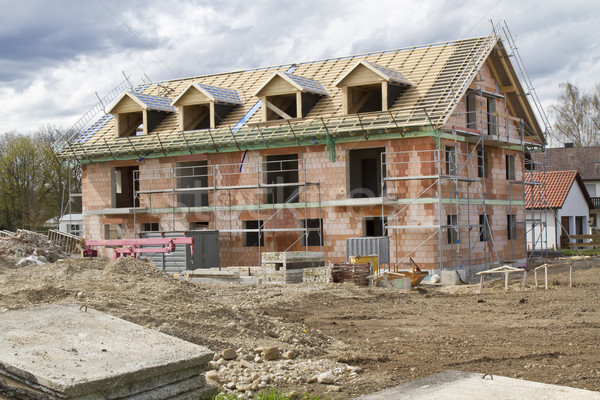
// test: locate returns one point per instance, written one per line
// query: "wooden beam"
(276, 110)
(384, 96)
(299, 104)
(359, 102)
(507, 89)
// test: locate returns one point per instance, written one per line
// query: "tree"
(577, 116)
(32, 180)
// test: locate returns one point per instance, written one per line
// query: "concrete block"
(69, 353)
(453, 277)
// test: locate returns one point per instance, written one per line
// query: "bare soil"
(549, 336)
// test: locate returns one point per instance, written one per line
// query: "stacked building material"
(286, 267)
(68, 352)
(351, 273)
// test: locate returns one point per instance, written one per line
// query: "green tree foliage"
(32, 180)
(577, 116)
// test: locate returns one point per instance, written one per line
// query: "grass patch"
(585, 252)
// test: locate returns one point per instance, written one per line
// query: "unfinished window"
(287, 96)
(195, 117)
(199, 226)
(511, 226)
(374, 226)
(452, 222)
(192, 181)
(492, 118)
(149, 227)
(252, 237)
(451, 167)
(364, 172)
(482, 164)
(510, 167)
(130, 124)
(484, 228)
(368, 87)
(123, 187)
(113, 231)
(471, 114)
(204, 106)
(315, 232)
(281, 178)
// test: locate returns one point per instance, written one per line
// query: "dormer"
(138, 114)
(203, 106)
(288, 96)
(370, 87)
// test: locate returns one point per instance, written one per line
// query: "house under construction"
(425, 146)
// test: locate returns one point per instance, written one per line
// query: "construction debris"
(24, 244)
(68, 352)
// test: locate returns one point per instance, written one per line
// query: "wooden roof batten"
(439, 73)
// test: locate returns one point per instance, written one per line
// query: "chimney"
(569, 145)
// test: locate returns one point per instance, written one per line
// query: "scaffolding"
(274, 195)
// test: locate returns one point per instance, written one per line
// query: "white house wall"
(574, 206)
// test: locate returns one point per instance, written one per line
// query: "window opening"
(315, 233)
(452, 221)
(282, 170)
(123, 187)
(192, 175)
(364, 166)
(252, 239)
(373, 226)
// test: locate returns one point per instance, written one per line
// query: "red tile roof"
(558, 185)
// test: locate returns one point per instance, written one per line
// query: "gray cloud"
(54, 55)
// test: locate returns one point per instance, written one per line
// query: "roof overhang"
(516, 97)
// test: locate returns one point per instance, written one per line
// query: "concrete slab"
(461, 385)
(66, 352)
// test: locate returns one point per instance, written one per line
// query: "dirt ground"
(549, 336)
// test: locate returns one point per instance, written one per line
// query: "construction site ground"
(394, 336)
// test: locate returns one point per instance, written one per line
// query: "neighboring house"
(586, 160)
(421, 144)
(564, 203)
(70, 223)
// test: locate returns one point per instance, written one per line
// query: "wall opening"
(192, 175)
(315, 234)
(373, 226)
(283, 106)
(123, 186)
(364, 172)
(282, 172)
(253, 238)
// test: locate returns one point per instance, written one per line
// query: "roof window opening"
(129, 124)
(204, 107)
(368, 87)
(139, 114)
(195, 117)
(282, 107)
(287, 96)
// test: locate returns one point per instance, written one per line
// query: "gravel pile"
(246, 372)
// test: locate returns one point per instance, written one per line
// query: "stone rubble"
(32, 247)
(250, 371)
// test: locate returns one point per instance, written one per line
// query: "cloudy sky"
(55, 55)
